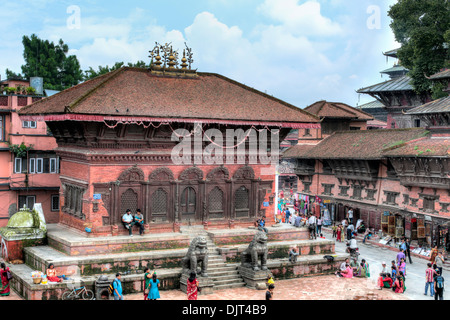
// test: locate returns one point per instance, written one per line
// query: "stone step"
(229, 286)
(225, 278)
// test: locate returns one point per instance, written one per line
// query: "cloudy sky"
(300, 51)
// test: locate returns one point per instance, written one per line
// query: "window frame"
(51, 203)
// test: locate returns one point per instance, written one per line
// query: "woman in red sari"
(192, 287)
(338, 236)
(4, 290)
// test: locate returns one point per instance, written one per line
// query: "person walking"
(338, 233)
(5, 277)
(147, 278)
(433, 254)
(153, 293)
(117, 286)
(312, 227)
(408, 250)
(402, 266)
(439, 261)
(350, 230)
(192, 286)
(439, 287)
(350, 216)
(429, 279)
(319, 225)
(287, 214)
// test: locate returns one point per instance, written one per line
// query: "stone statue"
(257, 249)
(197, 255)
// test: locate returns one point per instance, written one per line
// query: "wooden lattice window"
(357, 191)
(216, 203)
(241, 203)
(73, 200)
(371, 194)
(129, 200)
(159, 202)
(343, 191)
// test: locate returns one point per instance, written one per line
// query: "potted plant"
(30, 90)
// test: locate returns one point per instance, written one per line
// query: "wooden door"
(188, 204)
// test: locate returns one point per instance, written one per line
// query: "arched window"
(159, 205)
(129, 200)
(241, 202)
(216, 203)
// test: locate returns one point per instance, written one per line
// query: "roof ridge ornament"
(165, 61)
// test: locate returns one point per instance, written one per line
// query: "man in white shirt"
(350, 216)
(127, 220)
(312, 227)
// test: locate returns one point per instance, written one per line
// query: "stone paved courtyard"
(311, 288)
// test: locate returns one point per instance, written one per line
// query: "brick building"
(396, 180)
(32, 176)
(115, 135)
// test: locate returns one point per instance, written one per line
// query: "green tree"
(50, 61)
(12, 75)
(91, 73)
(420, 26)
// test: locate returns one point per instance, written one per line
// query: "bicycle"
(81, 292)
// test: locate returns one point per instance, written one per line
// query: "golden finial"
(184, 60)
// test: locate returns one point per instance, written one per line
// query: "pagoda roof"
(375, 104)
(398, 84)
(134, 93)
(298, 151)
(391, 53)
(325, 109)
(441, 105)
(363, 145)
(396, 68)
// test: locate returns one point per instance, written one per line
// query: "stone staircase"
(224, 275)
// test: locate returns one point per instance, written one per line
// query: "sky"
(300, 51)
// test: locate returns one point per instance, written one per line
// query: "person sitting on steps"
(127, 220)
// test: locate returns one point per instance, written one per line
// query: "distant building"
(31, 177)
(397, 95)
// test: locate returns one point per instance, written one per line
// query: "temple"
(396, 96)
(116, 133)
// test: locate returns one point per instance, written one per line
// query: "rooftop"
(372, 105)
(429, 147)
(443, 74)
(397, 84)
(325, 109)
(441, 105)
(135, 92)
(365, 144)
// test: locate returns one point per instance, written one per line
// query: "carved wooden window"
(159, 205)
(357, 190)
(405, 199)
(307, 186)
(73, 200)
(326, 167)
(216, 203)
(129, 200)
(371, 194)
(327, 189)
(343, 191)
(391, 197)
(444, 206)
(241, 203)
(429, 204)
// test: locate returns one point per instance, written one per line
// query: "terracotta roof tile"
(365, 144)
(325, 109)
(430, 147)
(135, 92)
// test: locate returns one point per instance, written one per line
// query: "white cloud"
(300, 19)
